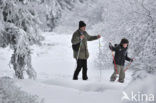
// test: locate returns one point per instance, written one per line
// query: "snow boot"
(121, 81)
(75, 78)
(112, 80)
(85, 78)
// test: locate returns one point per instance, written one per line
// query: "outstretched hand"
(99, 36)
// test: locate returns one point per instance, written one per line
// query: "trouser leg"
(114, 75)
(122, 74)
(78, 69)
(84, 71)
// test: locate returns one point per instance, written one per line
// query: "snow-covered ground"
(54, 64)
(53, 60)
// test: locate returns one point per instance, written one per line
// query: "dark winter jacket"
(120, 54)
(83, 51)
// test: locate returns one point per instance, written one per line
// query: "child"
(119, 59)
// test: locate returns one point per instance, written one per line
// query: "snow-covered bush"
(10, 93)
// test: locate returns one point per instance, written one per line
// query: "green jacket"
(83, 52)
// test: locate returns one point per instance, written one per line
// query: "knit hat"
(81, 24)
(124, 41)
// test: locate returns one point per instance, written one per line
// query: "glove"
(99, 36)
(115, 45)
(131, 60)
(82, 37)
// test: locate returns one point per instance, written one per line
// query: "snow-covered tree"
(50, 11)
(19, 31)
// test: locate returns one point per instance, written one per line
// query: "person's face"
(125, 45)
(83, 28)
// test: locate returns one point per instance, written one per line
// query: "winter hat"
(81, 24)
(124, 41)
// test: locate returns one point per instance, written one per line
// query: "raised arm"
(90, 38)
(113, 48)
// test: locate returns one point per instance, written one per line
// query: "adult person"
(80, 49)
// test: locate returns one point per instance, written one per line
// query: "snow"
(53, 60)
(5, 55)
(54, 64)
(57, 94)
